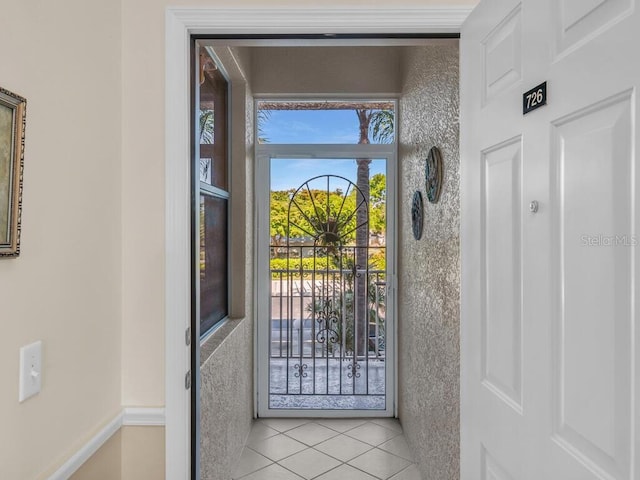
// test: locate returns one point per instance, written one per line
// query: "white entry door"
(550, 369)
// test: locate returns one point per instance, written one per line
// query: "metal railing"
(313, 312)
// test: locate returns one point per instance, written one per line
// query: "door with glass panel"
(325, 181)
(325, 268)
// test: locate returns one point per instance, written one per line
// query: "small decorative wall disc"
(416, 215)
(433, 174)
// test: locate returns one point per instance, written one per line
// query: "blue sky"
(313, 126)
(289, 173)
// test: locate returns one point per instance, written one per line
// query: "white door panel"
(591, 273)
(502, 57)
(491, 469)
(549, 336)
(501, 349)
(579, 21)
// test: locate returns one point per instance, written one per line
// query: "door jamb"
(180, 24)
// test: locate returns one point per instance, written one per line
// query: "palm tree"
(263, 117)
(206, 125)
(380, 124)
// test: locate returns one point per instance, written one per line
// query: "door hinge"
(187, 380)
(187, 336)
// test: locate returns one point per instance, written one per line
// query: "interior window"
(213, 192)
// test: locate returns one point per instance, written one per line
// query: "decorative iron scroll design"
(328, 319)
(329, 225)
(300, 369)
(353, 370)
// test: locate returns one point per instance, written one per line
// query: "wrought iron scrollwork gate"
(327, 335)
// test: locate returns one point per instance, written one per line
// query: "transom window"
(325, 122)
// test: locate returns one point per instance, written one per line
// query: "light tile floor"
(326, 449)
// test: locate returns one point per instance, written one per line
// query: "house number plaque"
(534, 98)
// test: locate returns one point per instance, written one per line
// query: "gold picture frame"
(12, 126)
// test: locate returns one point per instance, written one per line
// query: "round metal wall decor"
(433, 174)
(417, 215)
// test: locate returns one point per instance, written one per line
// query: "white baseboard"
(88, 449)
(129, 416)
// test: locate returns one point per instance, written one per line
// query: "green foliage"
(377, 203)
(312, 213)
(331, 307)
(206, 126)
(378, 261)
(263, 118)
(378, 190)
(278, 216)
(381, 126)
(309, 265)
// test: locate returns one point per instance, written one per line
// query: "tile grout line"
(406, 468)
(344, 461)
(254, 471)
(338, 433)
(371, 474)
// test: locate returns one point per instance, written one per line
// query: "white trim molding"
(181, 23)
(304, 20)
(143, 417)
(69, 467)
(127, 417)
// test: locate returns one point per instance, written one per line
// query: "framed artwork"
(12, 123)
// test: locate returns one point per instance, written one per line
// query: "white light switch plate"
(30, 371)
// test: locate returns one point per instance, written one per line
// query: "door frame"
(180, 24)
(263, 156)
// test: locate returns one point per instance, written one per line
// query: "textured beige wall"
(325, 70)
(65, 288)
(143, 181)
(429, 269)
(226, 398)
